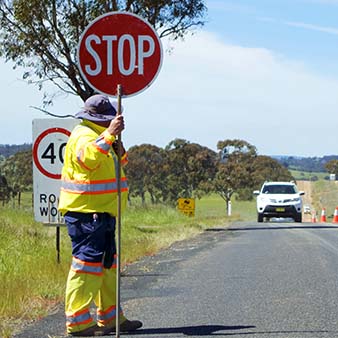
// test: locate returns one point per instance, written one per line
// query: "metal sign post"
(118, 223)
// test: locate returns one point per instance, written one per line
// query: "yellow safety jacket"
(88, 180)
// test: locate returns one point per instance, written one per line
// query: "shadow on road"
(198, 330)
(213, 330)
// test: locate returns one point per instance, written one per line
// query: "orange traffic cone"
(314, 218)
(323, 216)
(335, 216)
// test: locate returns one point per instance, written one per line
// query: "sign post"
(120, 55)
(118, 228)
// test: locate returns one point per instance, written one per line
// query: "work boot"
(93, 331)
(128, 325)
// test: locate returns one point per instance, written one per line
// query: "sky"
(264, 71)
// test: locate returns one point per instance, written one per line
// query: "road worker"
(88, 202)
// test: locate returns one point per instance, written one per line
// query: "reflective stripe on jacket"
(88, 182)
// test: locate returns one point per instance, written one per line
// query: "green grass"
(214, 207)
(33, 283)
(308, 176)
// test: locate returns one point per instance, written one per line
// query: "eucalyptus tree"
(332, 167)
(240, 170)
(192, 169)
(17, 169)
(265, 168)
(146, 171)
(234, 168)
(5, 190)
(42, 36)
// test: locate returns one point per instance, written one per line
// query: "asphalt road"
(252, 280)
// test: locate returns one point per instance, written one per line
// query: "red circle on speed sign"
(119, 49)
(36, 156)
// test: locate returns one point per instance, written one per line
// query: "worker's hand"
(116, 126)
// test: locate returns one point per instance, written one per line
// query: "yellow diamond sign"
(186, 205)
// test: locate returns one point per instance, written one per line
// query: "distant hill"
(7, 150)
(308, 164)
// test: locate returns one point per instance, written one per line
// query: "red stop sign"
(119, 49)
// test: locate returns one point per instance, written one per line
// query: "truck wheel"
(260, 218)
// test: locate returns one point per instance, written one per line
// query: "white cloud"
(208, 91)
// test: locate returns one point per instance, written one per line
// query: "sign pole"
(58, 244)
(118, 229)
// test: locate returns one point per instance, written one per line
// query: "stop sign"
(119, 48)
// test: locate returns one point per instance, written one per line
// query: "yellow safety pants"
(88, 283)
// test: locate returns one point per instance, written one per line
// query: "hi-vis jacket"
(88, 180)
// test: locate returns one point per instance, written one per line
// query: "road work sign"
(119, 49)
(50, 137)
(186, 205)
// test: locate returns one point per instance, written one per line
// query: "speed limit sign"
(50, 137)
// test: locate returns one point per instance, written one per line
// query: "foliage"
(266, 168)
(234, 170)
(182, 169)
(230, 178)
(18, 171)
(146, 171)
(235, 149)
(192, 168)
(240, 170)
(332, 167)
(5, 190)
(42, 36)
(7, 150)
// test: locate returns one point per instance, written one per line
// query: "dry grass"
(325, 195)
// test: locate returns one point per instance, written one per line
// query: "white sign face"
(50, 137)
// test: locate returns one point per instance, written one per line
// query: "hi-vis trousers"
(92, 276)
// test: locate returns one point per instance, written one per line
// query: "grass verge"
(325, 195)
